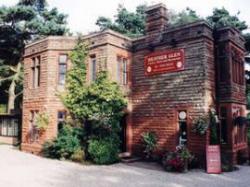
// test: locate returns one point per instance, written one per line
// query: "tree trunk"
(12, 89)
(12, 96)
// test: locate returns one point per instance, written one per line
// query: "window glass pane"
(118, 74)
(63, 59)
(15, 126)
(38, 76)
(62, 79)
(10, 129)
(36, 71)
(182, 121)
(183, 132)
(62, 68)
(93, 69)
(124, 77)
(4, 128)
(62, 74)
(33, 77)
(61, 116)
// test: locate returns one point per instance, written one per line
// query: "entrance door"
(123, 134)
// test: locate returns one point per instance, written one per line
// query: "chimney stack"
(156, 19)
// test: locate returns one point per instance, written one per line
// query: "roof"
(87, 36)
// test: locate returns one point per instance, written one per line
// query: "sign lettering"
(213, 159)
(165, 61)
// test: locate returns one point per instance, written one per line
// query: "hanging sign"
(213, 159)
(164, 62)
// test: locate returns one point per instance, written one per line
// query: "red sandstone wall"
(106, 46)
(156, 99)
(43, 98)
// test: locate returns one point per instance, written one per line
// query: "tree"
(221, 18)
(98, 106)
(20, 24)
(76, 81)
(99, 102)
(133, 24)
(247, 44)
(185, 16)
(128, 23)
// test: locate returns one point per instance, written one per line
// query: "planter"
(185, 166)
(249, 154)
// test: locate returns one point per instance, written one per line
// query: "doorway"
(123, 134)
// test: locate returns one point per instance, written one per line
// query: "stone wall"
(156, 99)
(44, 98)
(106, 46)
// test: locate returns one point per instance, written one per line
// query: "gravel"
(18, 169)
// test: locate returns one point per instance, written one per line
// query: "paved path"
(18, 169)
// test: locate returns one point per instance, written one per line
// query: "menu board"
(213, 159)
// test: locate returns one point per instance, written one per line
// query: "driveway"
(18, 169)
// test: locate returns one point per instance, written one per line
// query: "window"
(118, 73)
(93, 68)
(182, 122)
(9, 127)
(36, 71)
(223, 69)
(62, 69)
(223, 119)
(61, 116)
(237, 67)
(33, 132)
(33, 72)
(122, 70)
(223, 62)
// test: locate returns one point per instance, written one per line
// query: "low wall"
(8, 140)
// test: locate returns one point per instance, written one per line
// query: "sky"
(84, 13)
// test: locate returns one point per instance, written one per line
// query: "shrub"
(64, 146)
(99, 106)
(149, 141)
(3, 108)
(178, 160)
(49, 149)
(226, 163)
(172, 162)
(78, 156)
(104, 151)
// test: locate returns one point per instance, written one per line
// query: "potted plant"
(248, 141)
(150, 143)
(201, 125)
(177, 161)
(185, 156)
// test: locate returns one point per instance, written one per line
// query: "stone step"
(126, 157)
(124, 154)
(130, 159)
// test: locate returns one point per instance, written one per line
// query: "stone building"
(171, 76)
(45, 64)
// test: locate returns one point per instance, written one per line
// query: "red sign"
(165, 61)
(213, 159)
